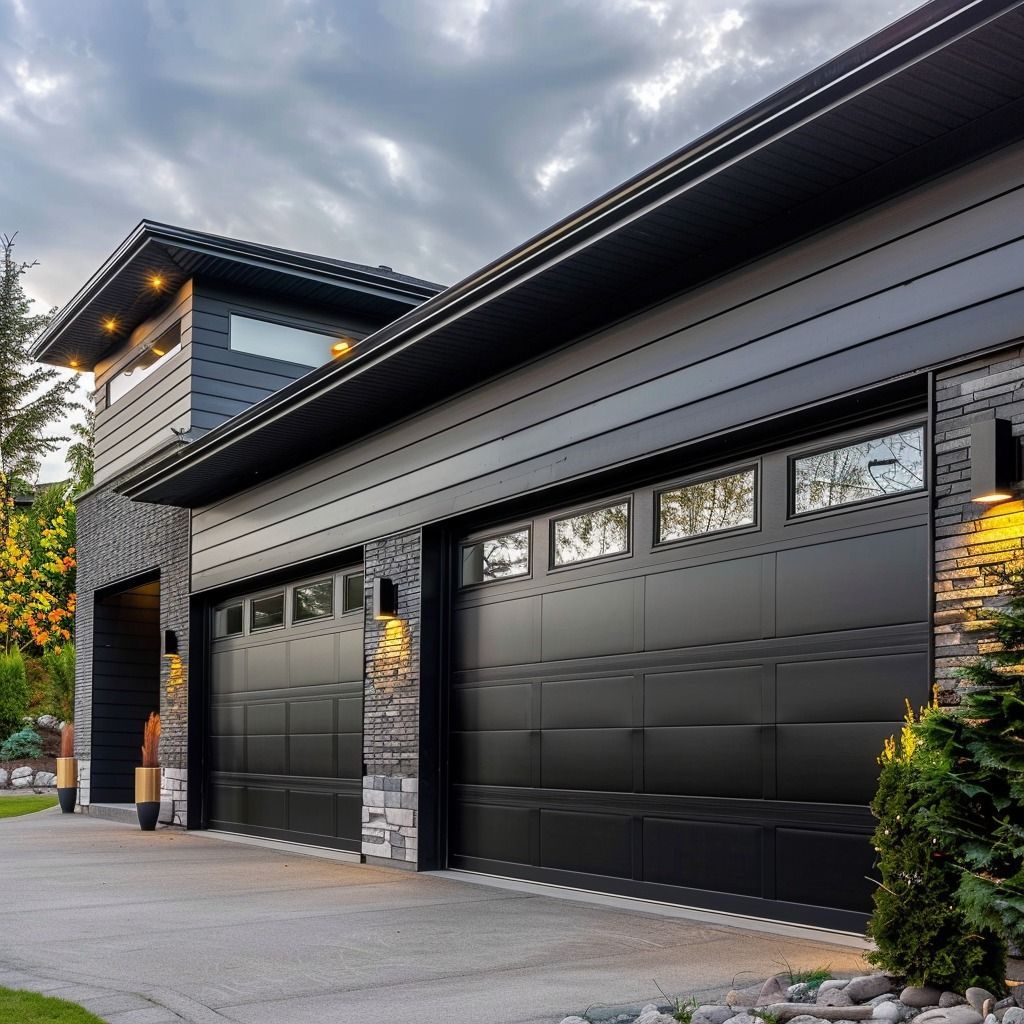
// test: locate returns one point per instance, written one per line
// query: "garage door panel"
(227, 803)
(830, 763)
(493, 758)
(350, 755)
(836, 585)
(311, 813)
(228, 671)
(708, 604)
(476, 708)
(265, 755)
(595, 759)
(265, 719)
(703, 855)
(491, 832)
(503, 633)
(350, 714)
(310, 716)
(589, 621)
(597, 844)
(852, 689)
(228, 753)
(718, 696)
(312, 660)
(587, 703)
(266, 808)
(828, 869)
(350, 655)
(721, 760)
(266, 667)
(228, 720)
(311, 755)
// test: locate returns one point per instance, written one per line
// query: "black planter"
(148, 813)
(68, 796)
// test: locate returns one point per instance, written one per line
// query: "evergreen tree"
(976, 779)
(919, 931)
(80, 451)
(32, 397)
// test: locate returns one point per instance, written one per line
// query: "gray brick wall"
(391, 702)
(118, 539)
(969, 537)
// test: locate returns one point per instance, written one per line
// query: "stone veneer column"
(970, 538)
(391, 704)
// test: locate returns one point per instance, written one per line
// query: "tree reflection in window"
(313, 601)
(604, 531)
(859, 472)
(724, 503)
(496, 558)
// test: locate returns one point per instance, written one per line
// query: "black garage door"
(286, 712)
(680, 692)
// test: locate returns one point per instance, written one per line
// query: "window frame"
(725, 531)
(481, 538)
(329, 334)
(626, 499)
(251, 601)
(223, 606)
(296, 587)
(851, 441)
(142, 351)
(345, 577)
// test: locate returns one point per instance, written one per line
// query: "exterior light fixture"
(385, 599)
(994, 462)
(110, 324)
(73, 363)
(156, 282)
(170, 642)
(341, 347)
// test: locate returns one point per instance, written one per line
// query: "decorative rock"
(920, 996)
(1018, 994)
(890, 1011)
(21, 776)
(977, 997)
(804, 1018)
(885, 997)
(948, 999)
(715, 1014)
(1014, 1015)
(841, 1014)
(744, 996)
(772, 991)
(990, 1018)
(835, 997)
(860, 990)
(745, 1018)
(798, 993)
(573, 1020)
(45, 779)
(833, 983)
(988, 1007)
(48, 722)
(1005, 1003)
(3, 777)
(655, 1016)
(952, 1015)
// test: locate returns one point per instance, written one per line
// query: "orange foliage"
(67, 740)
(151, 742)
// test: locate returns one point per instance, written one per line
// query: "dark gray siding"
(917, 281)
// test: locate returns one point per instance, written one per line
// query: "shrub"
(13, 692)
(918, 927)
(60, 667)
(25, 743)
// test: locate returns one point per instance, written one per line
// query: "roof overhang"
(155, 259)
(933, 91)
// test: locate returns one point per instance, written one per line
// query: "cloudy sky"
(428, 135)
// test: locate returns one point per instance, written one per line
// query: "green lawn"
(18, 1007)
(11, 807)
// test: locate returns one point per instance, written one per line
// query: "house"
(610, 566)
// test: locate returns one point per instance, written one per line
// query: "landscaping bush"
(60, 667)
(919, 930)
(24, 743)
(13, 692)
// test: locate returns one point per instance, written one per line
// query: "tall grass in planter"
(147, 778)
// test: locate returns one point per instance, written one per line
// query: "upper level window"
(708, 506)
(279, 341)
(144, 366)
(859, 472)
(594, 534)
(496, 558)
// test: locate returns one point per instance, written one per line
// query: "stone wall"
(391, 698)
(119, 539)
(970, 538)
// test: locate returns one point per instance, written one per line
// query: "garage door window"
(503, 556)
(596, 533)
(313, 601)
(227, 621)
(708, 506)
(266, 612)
(353, 588)
(865, 471)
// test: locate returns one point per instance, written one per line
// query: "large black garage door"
(286, 712)
(680, 692)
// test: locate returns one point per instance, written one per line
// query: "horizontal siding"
(928, 277)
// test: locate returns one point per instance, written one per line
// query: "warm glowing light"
(110, 324)
(158, 351)
(73, 363)
(157, 282)
(993, 498)
(340, 347)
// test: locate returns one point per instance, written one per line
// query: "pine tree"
(976, 780)
(32, 397)
(919, 931)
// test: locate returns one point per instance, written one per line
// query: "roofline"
(287, 261)
(905, 42)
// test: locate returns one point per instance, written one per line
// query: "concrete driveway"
(145, 928)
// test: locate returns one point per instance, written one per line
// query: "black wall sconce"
(385, 599)
(995, 469)
(170, 642)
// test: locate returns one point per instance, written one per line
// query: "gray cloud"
(430, 135)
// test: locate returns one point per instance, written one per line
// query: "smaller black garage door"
(286, 712)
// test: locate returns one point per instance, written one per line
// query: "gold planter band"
(147, 785)
(67, 772)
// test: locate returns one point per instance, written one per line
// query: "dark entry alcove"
(126, 686)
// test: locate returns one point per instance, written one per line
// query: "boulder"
(951, 1015)
(920, 996)
(48, 722)
(833, 983)
(745, 1018)
(798, 993)
(744, 996)
(23, 771)
(890, 1011)
(948, 999)
(3, 777)
(835, 997)
(573, 1020)
(715, 1014)
(772, 991)
(45, 779)
(1014, 1015)
(860, 990)
(886, 997)
(978, 997)
(1018, 994)
(841, 1014)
